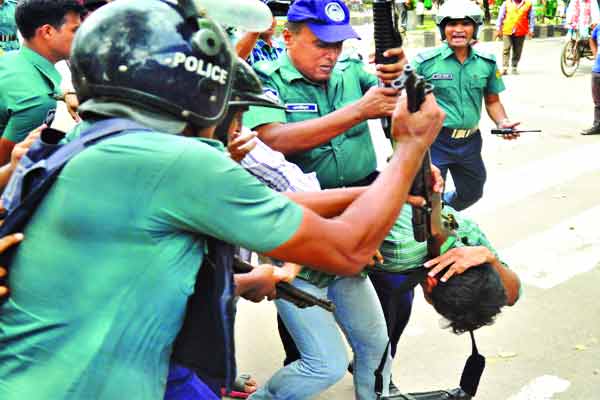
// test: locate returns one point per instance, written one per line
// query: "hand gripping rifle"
(385, 21)
(287, 292)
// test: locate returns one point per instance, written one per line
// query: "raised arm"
(295, 137)
(345, 244)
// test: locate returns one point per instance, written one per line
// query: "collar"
(42, 64)
(446, 51)
(157, 120)
(215, 144)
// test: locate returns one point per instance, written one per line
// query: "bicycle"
(573, 51)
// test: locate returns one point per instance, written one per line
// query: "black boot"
(594, 130)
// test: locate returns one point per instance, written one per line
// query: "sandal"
(240, 385)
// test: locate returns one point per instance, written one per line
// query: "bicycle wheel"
(569, 58)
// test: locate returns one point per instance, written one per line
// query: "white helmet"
(459, 9)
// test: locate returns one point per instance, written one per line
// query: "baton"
(508, 131)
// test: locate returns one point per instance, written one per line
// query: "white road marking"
(551, 257)
(542, 388)
(536, 176)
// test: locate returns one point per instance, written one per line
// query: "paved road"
(540, 209)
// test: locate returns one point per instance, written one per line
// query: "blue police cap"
(329, 20)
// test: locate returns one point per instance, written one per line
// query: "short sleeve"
(27, 115)
(204, 191)
(495, 84)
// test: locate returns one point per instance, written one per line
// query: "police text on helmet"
(194, 64)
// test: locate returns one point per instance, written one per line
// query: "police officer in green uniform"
(29, 82)
(328, 101)
(462, 77)
(8, 26)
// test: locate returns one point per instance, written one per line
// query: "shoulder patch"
(427, 55)
(271, 93)
(486, 56)
(265, 67)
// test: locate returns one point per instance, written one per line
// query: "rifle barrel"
(286, 291)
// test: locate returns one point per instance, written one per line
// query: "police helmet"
(459, 9)
(247, 91)
(162, 55)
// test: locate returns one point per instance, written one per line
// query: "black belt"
(461, 133)
(11, 37)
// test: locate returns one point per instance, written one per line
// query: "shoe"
(514, 71)
(594, 130)
(394, 391)
(505, 71)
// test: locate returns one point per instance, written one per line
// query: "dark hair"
(470, 300)
(93, 5)
(31, 14)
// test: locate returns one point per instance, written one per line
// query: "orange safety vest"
(516, 21)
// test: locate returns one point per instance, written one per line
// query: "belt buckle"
(461, 133)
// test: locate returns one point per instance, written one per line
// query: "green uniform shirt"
(348, 157)
(28, 84)
(459, 88)
(401, 252)
(8, 26)
(100, 285)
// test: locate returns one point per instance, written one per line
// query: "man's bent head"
(470, 300)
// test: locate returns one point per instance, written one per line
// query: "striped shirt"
(401, 252)
(271, 168)
(263, 52)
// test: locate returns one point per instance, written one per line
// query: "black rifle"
(429, 225)
(385, 21)
(508, 131)
(287, 292)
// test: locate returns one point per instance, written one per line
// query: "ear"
(45, 31)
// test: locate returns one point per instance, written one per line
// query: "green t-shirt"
(348, 157)
(8, 27)
(459, 88)
(28, 84)
(100, 284)
(401, 252)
